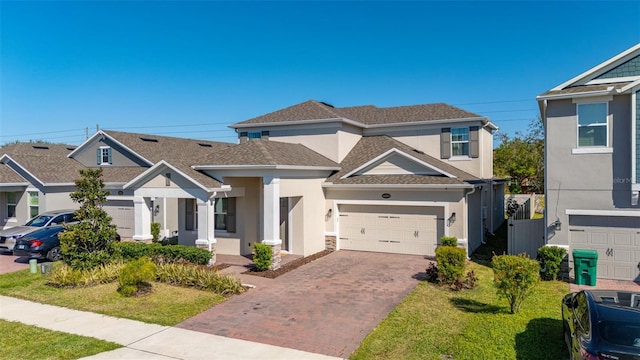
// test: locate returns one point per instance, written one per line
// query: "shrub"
(136, 276)
(451, 263)
(262, 256)
(449, 241)
(155, 231)
(550, 258)
(514, 276)
(84, 244)
(199, 277)
(159, 253)
(431, 274)
(64, 275)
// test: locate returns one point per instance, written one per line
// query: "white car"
(9, 236)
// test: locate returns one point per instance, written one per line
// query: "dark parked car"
(40, 244)
(602, 324)
(9, 236)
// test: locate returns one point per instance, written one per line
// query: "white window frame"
(595, 148)
(463, 156)
(105, 154)
(223, 212)
(32, 206)
(14, 204)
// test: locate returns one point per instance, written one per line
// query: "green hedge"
(550, 258)
(451, 262)
(514, 276)
(159, 253)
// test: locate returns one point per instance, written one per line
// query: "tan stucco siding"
(348, 137)
(321, 139)
(308, 217)
(248, 209)
(57, 201)
(175, 181)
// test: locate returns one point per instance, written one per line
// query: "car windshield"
(621, 333)
(39, 221)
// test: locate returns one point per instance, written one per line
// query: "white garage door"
(618, 246)
(393, 229)
(121, 211)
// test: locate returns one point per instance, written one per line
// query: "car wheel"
(54, 254)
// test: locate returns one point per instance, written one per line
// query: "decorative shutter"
(98, 153)
(445, 143)
(109, 155)
(231, 215)
(474, 144)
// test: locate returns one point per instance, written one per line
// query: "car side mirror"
(568, 301)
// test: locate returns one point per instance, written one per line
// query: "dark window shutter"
(474, 143)
(109, 155)
(99, 156)
(231, 215)
(445, 143)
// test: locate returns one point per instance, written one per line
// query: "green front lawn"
(21, 341)
(168, 305)
(432, 323)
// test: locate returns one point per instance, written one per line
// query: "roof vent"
(327, 104)
(70, 148)
(149, 139)
(42, 147)
(418, 151)
(204, 145)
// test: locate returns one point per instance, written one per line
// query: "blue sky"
(190, 69)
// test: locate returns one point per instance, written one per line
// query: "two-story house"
(592, 164)
(304, 178)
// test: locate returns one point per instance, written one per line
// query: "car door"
(582, 324)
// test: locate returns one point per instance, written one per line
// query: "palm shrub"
(514, 276)
(136, 276)
(64, 276)
(262, 256)
(85, 244)
(550, 258)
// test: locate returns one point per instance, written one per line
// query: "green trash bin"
(585, 266)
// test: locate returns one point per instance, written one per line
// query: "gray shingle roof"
(366, 115)
(585, 88)
(178, 152)
(8, 176)
(47, 162)
(370, 147)
(266, 152)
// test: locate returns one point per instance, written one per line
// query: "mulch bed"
(292, 265)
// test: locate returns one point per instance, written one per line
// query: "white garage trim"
(629, 213)
(337, 203)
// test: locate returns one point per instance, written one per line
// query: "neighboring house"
(592, 164)
(304, 178)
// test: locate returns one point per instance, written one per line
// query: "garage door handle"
(362, 231)
(416, 233)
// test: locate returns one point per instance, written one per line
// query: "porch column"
(271, 218)
(142, 215)
(206, 227)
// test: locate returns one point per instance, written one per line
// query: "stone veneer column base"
(204, 244)
(275, 257)
(330, 242)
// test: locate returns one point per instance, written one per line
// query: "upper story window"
(104, 155)
(460, 141)
(592, 125)
(254, 135)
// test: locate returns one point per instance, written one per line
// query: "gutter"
(398, 186)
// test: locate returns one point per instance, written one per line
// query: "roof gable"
(624, 67)
(396, 162)
(373, 150)
(186, 175)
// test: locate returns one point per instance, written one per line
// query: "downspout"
(466, 216)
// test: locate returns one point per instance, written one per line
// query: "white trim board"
(588, 212)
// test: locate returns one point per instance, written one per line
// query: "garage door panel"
(618, 248)
(394, 229)
(122, 216)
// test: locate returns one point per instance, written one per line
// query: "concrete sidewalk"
(142, 340)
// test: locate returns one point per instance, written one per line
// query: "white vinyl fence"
(525, 236)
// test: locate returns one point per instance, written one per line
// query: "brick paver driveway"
(327, 306)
